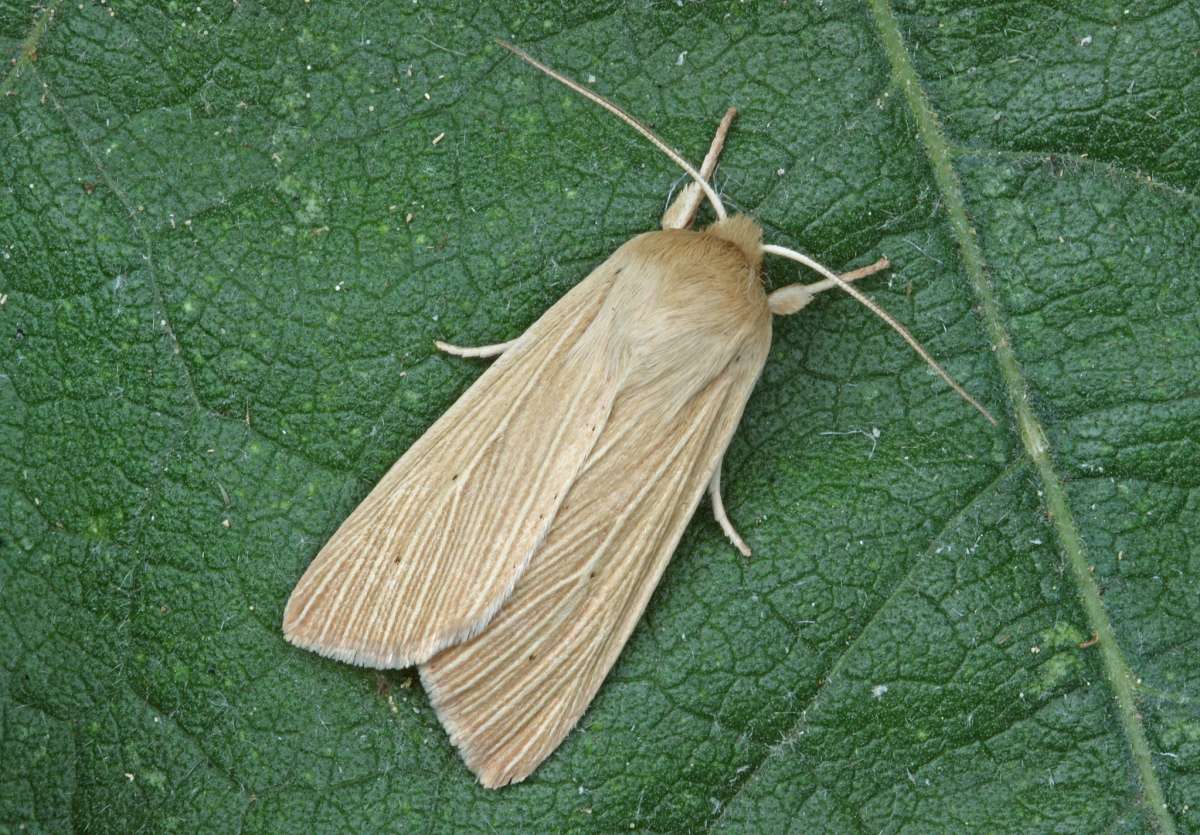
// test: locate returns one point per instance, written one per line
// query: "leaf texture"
(228, 241)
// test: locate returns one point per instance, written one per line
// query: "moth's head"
(744, 233)
(719, 271)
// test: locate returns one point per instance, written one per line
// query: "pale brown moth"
(511, 550)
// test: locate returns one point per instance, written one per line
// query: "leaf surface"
(229, 234)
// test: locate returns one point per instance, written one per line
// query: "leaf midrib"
(27, 52)
(1117, 671)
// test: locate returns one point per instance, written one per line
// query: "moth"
(511, 550)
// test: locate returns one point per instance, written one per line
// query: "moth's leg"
(714, 490)
(482, 351)
(680, 213)
(791, 299)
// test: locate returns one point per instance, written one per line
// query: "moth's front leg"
(680, 213)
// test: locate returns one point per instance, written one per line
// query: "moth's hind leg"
(483, 351)
(680, 213)
(718, 506)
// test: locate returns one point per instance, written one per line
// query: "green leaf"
(216, 328)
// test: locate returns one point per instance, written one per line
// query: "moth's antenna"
(717, 205)
(775, 249)
(719, 208)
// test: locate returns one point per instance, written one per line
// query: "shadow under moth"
(511, 550)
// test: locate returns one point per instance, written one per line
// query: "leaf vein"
(1118, 672)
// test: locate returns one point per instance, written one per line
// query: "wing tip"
(307, 618)
(490, 775)
(349, 652)
(307, 633)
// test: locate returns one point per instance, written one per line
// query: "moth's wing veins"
(511, 694)
(433, 550)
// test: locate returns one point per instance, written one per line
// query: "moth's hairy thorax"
(684, 307)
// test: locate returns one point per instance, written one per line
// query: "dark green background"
(218, 334)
